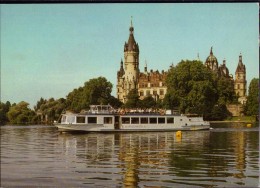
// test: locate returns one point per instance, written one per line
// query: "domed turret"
(212, 62)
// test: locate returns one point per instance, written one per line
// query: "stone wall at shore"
(235, 109)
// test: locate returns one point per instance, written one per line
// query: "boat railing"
(101, 109)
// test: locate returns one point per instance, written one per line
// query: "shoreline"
(227, 121)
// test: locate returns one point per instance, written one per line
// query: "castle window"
(147, 92)
(154, 92)
(238, 86)
(141, 93)
(161, 92)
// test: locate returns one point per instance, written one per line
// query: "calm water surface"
(227, 156)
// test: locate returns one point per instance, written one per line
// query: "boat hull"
(100, 128)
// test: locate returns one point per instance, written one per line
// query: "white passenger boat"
(103, 118)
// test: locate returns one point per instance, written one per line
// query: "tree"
(133, 100)
(116, 103)
(147, 102)
(21, 114)
(39, 103)
(4, 108)
(191, 88)
(219, 112)
(95, 91)
(252, 105)
(226, 92)
(51, 109)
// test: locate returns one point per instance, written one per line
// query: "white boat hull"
(101, 128)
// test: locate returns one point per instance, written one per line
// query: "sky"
(47, 50)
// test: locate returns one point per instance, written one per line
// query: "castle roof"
(240, 67)
(223, 70)
(131, 45)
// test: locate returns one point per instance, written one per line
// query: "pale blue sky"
(48, 50)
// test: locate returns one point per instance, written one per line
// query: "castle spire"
(211, 53)
(131, 45)
(198, 56)
(240, 57)
(131, 29)
(145, 67)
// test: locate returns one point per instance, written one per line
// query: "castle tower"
(240, 81)
(127, 77)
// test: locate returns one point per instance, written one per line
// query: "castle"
(153, 82)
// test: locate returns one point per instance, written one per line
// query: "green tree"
(133, 100)
(39, 103)
(252, 105)
(218, 112)
(191, 88)
(226, 92)
(51, 109)
(115, 102)
(95, 91)
(147, 102)
(4, 108)
(21, 114)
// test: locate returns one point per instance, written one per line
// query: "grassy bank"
(246, 119)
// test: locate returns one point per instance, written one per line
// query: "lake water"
(36, 156)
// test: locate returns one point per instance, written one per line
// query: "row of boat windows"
(82, 119)
(146, 120)
(125, 120)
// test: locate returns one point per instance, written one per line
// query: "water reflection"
(200, 158)
(222, 157)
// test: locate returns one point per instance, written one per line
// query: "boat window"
(71, 119)
(170, 120)
(107, 120)
(161, 120)
(92, 119)
(153, 120)
(134, 120)
(144, 120)
(125, 120)
(63, 119)
(80, 119)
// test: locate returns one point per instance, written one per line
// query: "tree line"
(191, 88)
